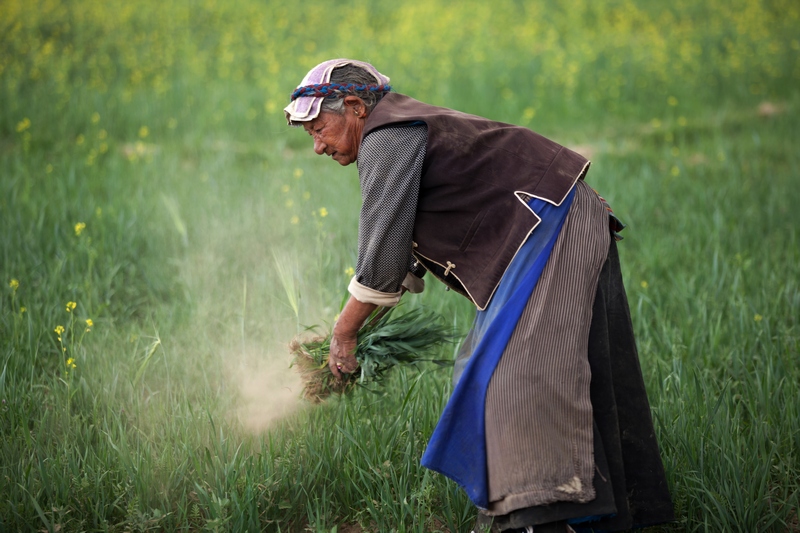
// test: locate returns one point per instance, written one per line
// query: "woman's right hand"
(345, 337)
(342, 359)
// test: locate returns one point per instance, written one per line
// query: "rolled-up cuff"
(371, 296)
(413, 284)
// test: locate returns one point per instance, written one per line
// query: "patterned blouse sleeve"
(389, 169)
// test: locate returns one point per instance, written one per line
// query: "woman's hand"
(345, 337)
(342, 359)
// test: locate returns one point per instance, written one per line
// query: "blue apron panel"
(457, 448)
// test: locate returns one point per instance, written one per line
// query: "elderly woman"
(548, 427)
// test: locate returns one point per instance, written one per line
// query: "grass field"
(164, 237)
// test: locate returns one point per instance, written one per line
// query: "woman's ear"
(354, 104)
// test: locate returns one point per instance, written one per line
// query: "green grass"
(182, 412)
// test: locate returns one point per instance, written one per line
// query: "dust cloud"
(268, 388)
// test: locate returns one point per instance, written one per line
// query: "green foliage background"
(212, 234)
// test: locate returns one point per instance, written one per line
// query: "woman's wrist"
(353, 316)
(344, 332)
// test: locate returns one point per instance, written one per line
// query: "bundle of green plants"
(388, 339)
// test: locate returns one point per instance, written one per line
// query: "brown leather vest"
(470, 221)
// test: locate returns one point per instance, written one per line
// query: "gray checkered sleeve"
(389, 170)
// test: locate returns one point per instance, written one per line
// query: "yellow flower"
(95, 117)
(59, 330)
(528, 113)
(298, 172)
(23, 124)
(295, 220)
(22, 309)
(144, 131)
(14, 284)
(80, 139)
(758, 318)
(89, 322)
(672, 101)
(71, 306)
(323, 212)
(349, 271)
(79, 227)
(71, 363)
(645, 285)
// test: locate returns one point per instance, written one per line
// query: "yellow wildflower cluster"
(632, 46)
(73, 342)
(14, 284)
(294, 200)
(79, 227)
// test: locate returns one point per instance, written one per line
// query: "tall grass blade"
(177, 220)
(287, 279)
(146, 362)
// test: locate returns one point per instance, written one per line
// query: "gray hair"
(358, 76)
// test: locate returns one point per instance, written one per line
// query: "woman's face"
(338, 136)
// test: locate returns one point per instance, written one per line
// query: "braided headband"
(336, 90)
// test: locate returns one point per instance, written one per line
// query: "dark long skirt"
(630, 485)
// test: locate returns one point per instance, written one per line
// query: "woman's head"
(332, 103)
(331, 81)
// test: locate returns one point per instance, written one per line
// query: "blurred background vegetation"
(147, 175)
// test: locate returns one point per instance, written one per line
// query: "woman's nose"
(319, 147)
